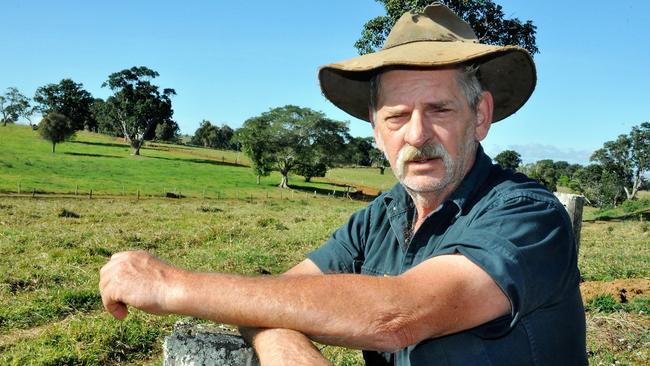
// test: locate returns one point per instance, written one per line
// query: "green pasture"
(52, 245)
(106, 166)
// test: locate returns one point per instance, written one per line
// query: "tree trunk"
(258, 179)
(381, 170)
(285, 181)
(136, 151)
(53, 145)
(307, 179)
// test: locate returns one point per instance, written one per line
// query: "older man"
(461, 263)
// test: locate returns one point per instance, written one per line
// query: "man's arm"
(442, 295)
(285, 346)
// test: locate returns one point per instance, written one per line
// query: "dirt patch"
(623, 290)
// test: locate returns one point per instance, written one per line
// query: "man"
(461, 263)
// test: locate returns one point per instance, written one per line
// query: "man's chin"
(424, 185)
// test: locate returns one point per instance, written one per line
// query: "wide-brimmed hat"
(436, 38)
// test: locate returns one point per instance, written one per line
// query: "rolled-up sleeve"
(526, 245)
(343, 252)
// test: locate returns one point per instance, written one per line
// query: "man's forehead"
(440, 85)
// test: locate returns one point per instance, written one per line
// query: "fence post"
(76, 189)
(18, 187)
(90, 194)
(138, 199)
(33, 192)
(573, 203)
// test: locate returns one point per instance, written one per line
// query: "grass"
(105, 165)
(51, 247)
(364, 177)
(50, 312)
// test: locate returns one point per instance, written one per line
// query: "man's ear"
(484, 112)
(378, 140)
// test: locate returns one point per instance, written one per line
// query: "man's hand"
(137, 279)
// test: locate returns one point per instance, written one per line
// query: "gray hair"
(467, 79)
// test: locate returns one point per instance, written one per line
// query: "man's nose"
(419, 131)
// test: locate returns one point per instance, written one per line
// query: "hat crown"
(436, 23)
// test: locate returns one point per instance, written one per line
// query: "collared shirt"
(507, 224)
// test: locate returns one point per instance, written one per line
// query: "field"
(52, 245)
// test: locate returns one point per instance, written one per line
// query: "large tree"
(628, 157)
(56, 128)
(106, 117)
(359, 150)
(71, 100)
(209, 135)
(292, 137)
(13, 105)
(486, 18)
(138, 104)
(508, 159)
(256, 140)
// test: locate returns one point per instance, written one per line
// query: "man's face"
(427, 129)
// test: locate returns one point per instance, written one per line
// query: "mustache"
(431, 150)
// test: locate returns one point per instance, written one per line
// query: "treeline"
(137, 110)
(616, 172)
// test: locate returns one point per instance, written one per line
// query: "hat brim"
(508, 72)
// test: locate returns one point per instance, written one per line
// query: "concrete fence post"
(573, 203)
(194, 344)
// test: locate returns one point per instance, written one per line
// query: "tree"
(255, 138)
(484, 16)
(70, 99)
(167, 131)
(508, 159)
(56, 128)
(13, 105)
(138, 104)
(599, 185)
(544, 172)
(359, 150)
(378, 160)
(628, 157)
(106, 117)
(291, 136)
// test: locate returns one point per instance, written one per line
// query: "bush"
(603, 304)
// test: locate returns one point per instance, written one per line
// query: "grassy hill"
(105, 165)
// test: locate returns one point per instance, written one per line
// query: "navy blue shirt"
(511, 227)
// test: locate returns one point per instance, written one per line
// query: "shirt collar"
(397, 200)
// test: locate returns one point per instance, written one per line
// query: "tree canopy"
(292, 138)
(13, 105)
(56, 128)
(486, 18)
(628, 158)
(209, 135)
(71, 100)
(138, 105)
(508, 159)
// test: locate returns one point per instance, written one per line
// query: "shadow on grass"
(637, 215)
(93, 155)
(200, 161)
(109, 144)
(358, 195)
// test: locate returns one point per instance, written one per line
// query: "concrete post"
(193, 344)
(573, 203)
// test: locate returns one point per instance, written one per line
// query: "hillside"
(105, 165)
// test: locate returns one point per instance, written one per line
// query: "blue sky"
(230, 60)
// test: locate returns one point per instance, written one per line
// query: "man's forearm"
(309, 304)
(283, 347)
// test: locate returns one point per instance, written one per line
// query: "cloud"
(531, 153)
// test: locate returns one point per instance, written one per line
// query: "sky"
(231, 60)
